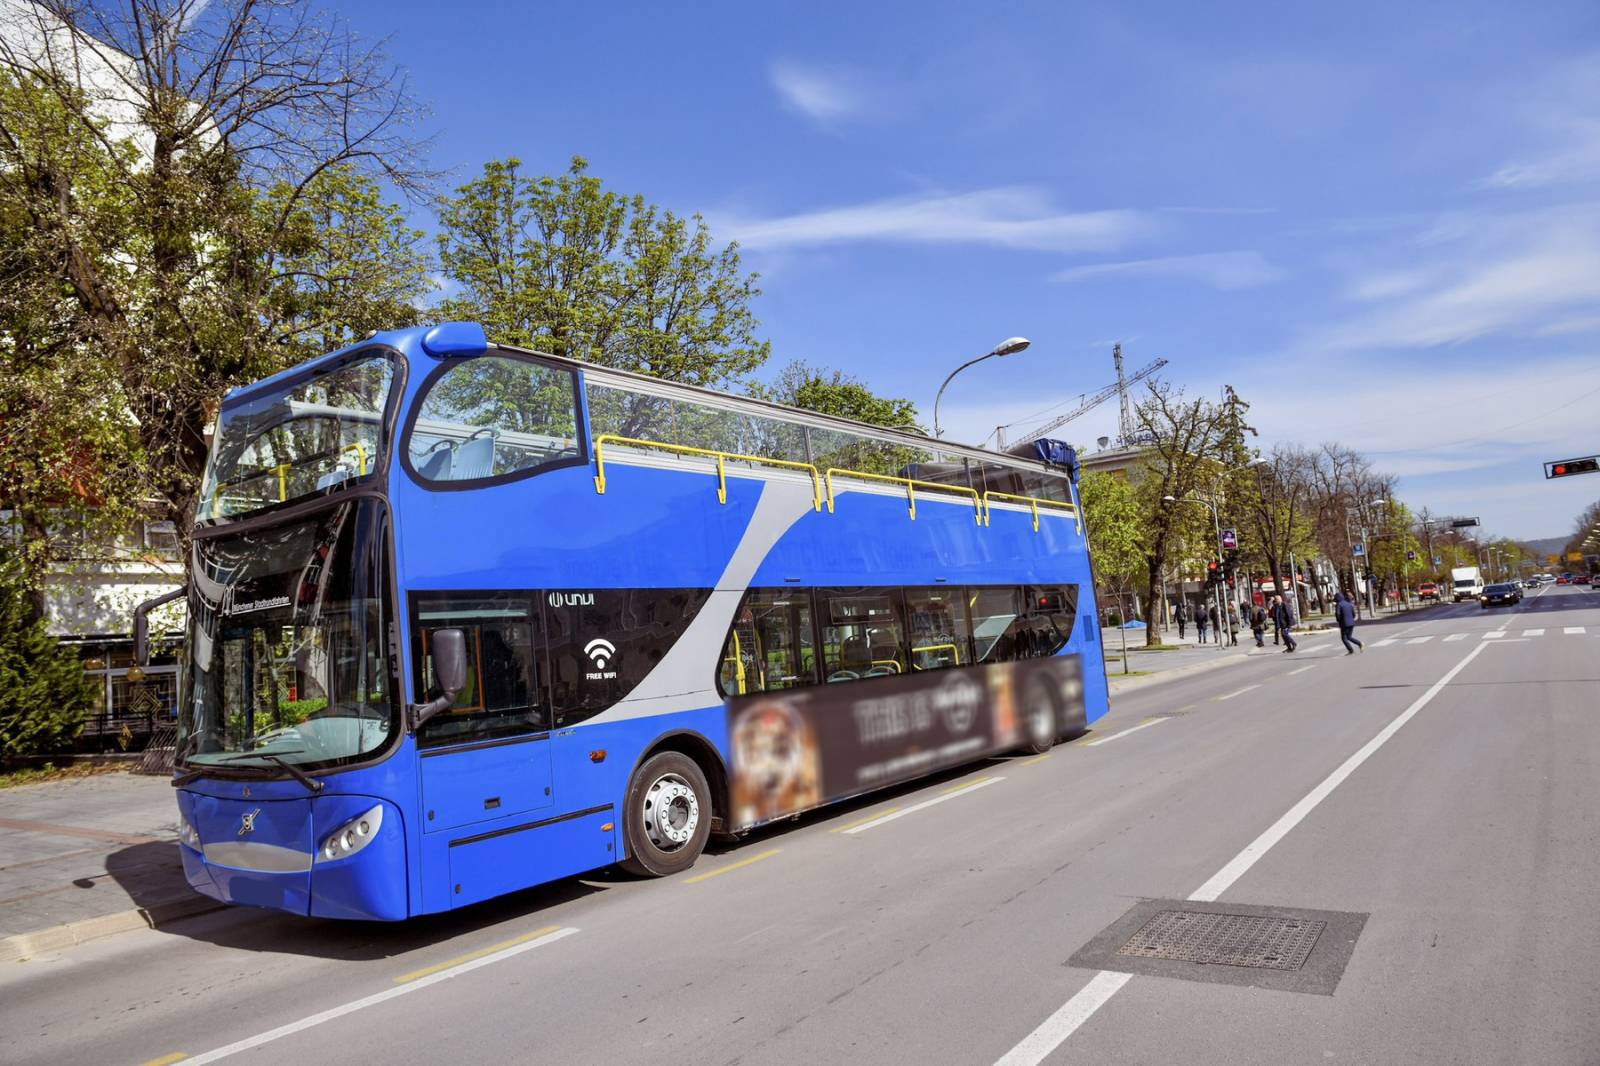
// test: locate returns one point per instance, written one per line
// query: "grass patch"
(1157, 647)
(32, 775)
(1131, 673)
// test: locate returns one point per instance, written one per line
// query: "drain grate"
(1226, 939)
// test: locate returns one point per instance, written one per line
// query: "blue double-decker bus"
(465, 618)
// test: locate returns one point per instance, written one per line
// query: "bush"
(44, 694)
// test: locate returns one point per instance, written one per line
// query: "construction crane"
(1125, 428)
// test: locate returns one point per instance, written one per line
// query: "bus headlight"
(352, 836)
(187, 834)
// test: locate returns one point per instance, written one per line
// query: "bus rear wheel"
(667, 816)
(1038, 719)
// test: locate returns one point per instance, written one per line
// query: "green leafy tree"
(44, 693)
(839, 394)
(1116, 526)
(563, 264)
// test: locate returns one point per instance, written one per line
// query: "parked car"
(1500, 595)
(1562, 581)
(1530, 582)
(1428, 591)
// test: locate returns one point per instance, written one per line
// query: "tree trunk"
(1152, 633)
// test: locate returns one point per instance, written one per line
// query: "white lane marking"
(1060, 1025)
(1533, 632)
(373, 1000)
(1037, 1045)
(1125, 732)
(1572, 629)
(1495, 634)
(1455, 636)
(924, 805)
(1302, 669)
(1231, 695)
(1420, 640)
(1385, 643)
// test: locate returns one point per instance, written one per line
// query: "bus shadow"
(137, 871)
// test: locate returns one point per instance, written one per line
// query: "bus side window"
(862, 633)
(503, 695)
(1052, 609)
(770, 646)
(936, 619)
(998, 625)
(603, 642)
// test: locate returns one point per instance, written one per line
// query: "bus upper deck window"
(494, 416)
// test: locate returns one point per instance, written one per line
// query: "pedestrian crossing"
(1493, 634)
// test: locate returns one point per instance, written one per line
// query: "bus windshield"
(290, 443)
(286, 635)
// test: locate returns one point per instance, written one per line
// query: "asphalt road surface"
(1439, 791)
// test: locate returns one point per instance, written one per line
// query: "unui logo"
(600, 651)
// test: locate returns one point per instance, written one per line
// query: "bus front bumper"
(273, 854)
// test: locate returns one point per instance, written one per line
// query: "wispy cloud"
(824, 96)
(1220, 270)
(1475, 276)
(1561, 114)
(1009, 217)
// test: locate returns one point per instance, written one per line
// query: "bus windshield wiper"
(283, 764)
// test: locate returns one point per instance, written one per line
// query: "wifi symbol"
(600, 650)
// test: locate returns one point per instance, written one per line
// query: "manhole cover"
(1226, 939)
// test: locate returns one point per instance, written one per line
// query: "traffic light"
(1568, 467)
(1213, 572)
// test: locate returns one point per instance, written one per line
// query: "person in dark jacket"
(1200, 624)
(1181, 616)
(1345, 612)
(1233, 627)
(1216, 628)
(1283, 618)
(1258, 624)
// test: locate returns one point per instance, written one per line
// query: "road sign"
(1555, 559)
(1589, 464)
(1230, 539)
(1358, 550)
(1574, 557)
(1437, 561)
(1411, 557)
(1463, 523)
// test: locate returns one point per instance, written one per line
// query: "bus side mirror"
(448, 649)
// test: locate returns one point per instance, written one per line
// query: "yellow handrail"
(1034, 504)
(911, 489)
(721, 457)
(955, 651)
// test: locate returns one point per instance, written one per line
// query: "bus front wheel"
(668, 816)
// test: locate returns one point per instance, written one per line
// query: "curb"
(24, 946)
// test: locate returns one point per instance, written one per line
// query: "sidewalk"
(1188, 657)
(88, 857)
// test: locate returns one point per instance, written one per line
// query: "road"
(1455, 817)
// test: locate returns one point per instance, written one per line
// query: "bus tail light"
(352, 836)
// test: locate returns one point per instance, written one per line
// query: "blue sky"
(1380, 223)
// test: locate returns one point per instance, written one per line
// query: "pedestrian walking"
(1258, 624)
(1283, 618)
(1181, 615)
(1216, 623)
(1345, 612)
(1200, 624)
(1233, 627)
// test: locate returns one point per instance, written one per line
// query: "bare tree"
(1182, 459)
(1277, 505)
(164, 151)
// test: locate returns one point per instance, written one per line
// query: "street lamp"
(1010, 346)
(1216, 524)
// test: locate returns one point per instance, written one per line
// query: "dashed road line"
(1573, 630)
(1455, 636)
(1533, 632)
(1386, 643)
(535, 941)
(1131, 729)
(1494, 634)
(1302, 669)
(1231, 695)
(1420, 640)
(732, 866)
(959, 790)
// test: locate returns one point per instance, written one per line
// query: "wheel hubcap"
(671, 812)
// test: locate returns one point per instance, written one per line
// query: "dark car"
(1500, 596)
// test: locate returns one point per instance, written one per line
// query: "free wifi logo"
(600, 651)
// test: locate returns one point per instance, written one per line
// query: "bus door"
(488, 756)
